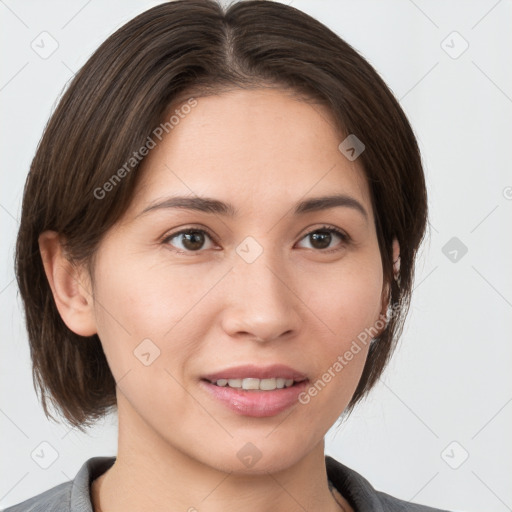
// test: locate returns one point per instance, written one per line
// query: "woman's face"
(253, 285)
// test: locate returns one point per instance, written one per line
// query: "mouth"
(256, 391)
(255, 384)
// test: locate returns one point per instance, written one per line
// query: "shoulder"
(361, 494)
(71, 496)
(396, 505)
(56, 499)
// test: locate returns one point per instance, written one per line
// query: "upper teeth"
(251, 383)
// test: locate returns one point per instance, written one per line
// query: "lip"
(259, 372)
(254, 403)
(257, 404)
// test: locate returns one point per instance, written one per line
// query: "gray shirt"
(74, 496)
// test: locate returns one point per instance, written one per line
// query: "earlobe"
(396, 259)
(396, 276)
(70, 285)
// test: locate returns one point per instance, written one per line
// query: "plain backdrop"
(434, 429)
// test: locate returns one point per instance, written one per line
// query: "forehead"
(256, 148)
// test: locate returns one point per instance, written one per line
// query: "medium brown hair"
(123, 92)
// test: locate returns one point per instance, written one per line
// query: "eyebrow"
(214, 206)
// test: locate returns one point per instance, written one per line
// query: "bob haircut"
(181, 49)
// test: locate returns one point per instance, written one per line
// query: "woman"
(217, 241)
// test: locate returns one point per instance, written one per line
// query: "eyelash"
(330, 229)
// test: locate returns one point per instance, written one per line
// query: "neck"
(151, 474)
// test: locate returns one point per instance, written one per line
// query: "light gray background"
(450, 379)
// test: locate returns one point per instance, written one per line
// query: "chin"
(258, 457)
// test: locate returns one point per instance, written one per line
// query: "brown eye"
(321, 238)
(191, 240)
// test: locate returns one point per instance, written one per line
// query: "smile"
(253, 383)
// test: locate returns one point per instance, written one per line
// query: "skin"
(261, 150)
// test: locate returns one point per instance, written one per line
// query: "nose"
(260, 301)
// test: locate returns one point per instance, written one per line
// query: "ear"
(396, 258)
(70, 285)
(396, 268)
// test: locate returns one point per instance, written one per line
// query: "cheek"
(136, 302)
(348, 308)
(139, 323)
(347, 300)
(348, 304)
